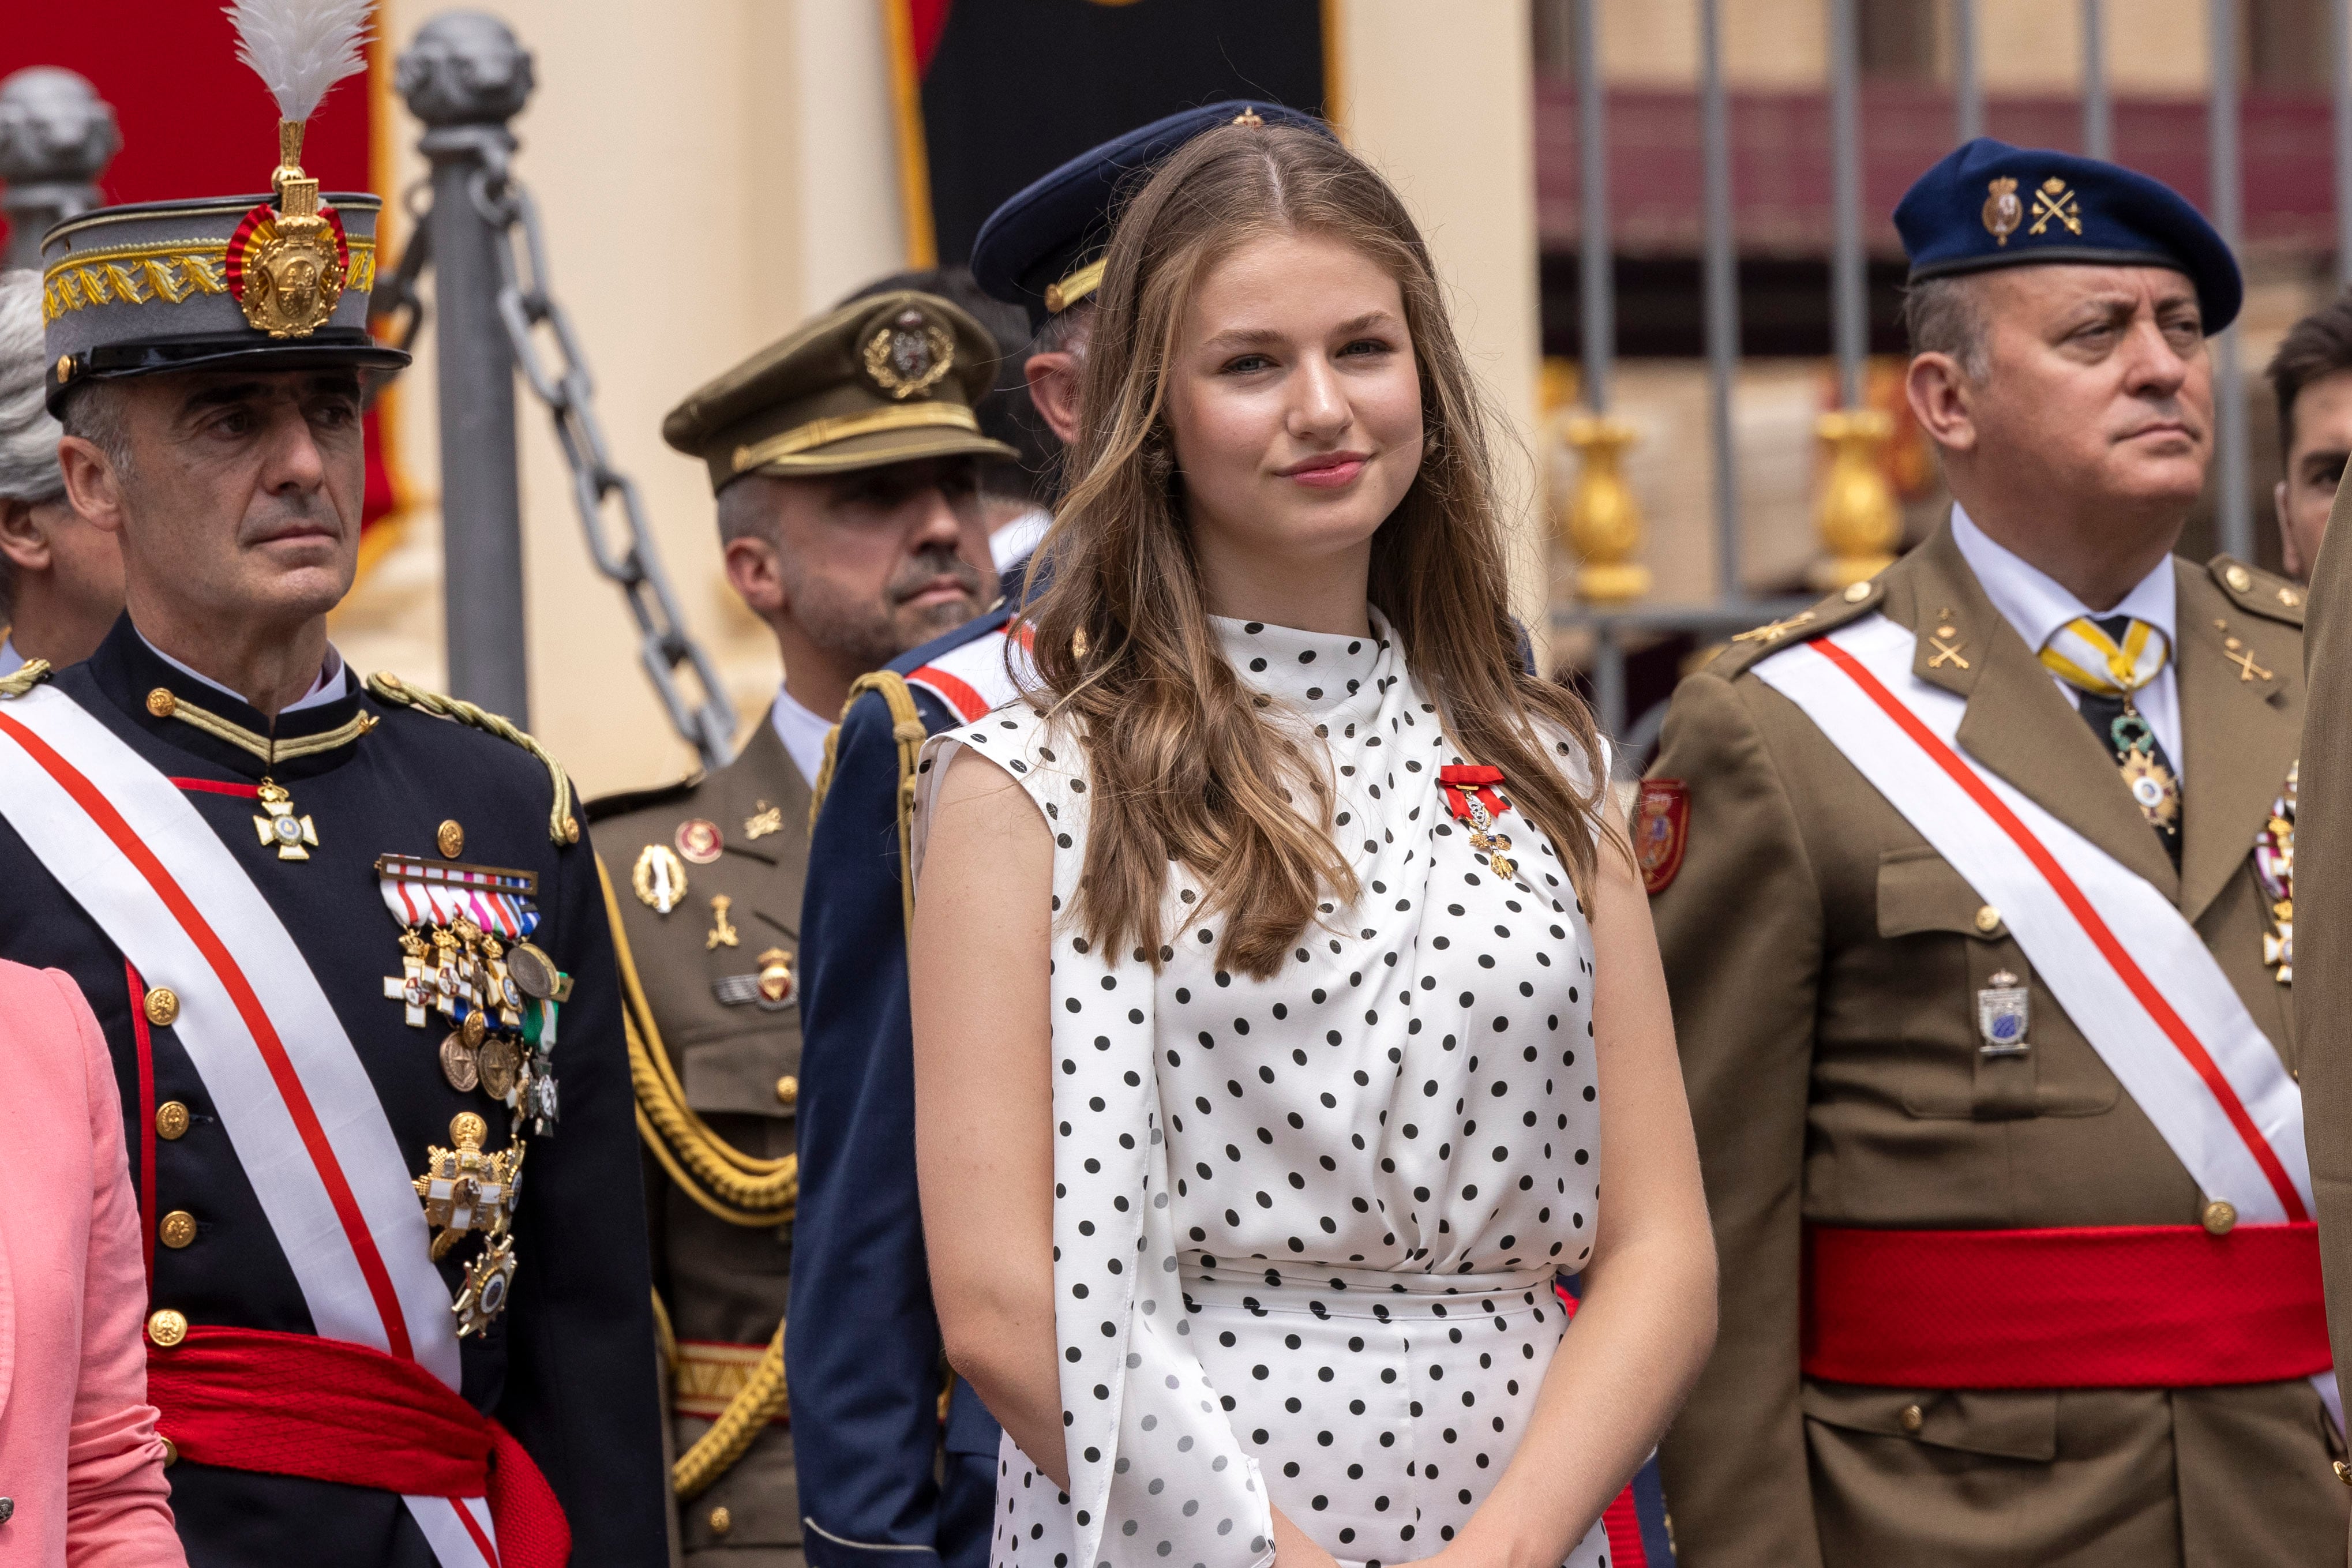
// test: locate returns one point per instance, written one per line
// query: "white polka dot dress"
(1307, 1228)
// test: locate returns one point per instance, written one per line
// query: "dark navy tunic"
(569, 1368)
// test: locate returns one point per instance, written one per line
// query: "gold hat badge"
(910, 355)
(289, 260)
(2002, 211)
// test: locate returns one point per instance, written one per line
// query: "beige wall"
(712, 171)
(1447, 113)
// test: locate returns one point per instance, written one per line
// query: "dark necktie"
(2106, 660)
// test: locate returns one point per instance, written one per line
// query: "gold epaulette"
(906, 729)
(562, 826)
(28, 675)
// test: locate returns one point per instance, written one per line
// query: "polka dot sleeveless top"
(1346, 1189)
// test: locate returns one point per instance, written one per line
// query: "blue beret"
(1030, 249)
(1991, 205)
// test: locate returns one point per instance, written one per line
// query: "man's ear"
(757, 575)
(92, 486)
(2289, 556)
(1940, 396)
(22, 540)
(1054, 388)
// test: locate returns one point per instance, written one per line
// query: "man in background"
(61, 578)
(846, 464)
(2312, 374)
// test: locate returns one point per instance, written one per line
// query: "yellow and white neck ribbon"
(2083, 655)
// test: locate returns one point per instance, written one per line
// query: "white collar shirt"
(2037, 605)
(328, 686)
(802, 730)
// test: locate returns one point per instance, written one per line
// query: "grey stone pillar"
(465, 77)
(56, 136)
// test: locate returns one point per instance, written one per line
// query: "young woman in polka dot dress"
(1272, 961)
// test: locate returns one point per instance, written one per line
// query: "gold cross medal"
(2151, 783)
(295, 836)
(2274, 868)
(466, 1190)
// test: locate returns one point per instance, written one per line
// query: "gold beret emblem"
(2053, 200)
(910, 355)
(2002, 211)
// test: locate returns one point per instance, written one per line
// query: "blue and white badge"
(2003, 1009)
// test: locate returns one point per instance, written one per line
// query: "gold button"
(721, 1522)
(451, 839)
(1857, 593)
(572, 830)
(2289, 597)
(2239, 578)
(171, 1120)
(162, 1006)
(788, 1089)
(178, 1228)
(171, 1452)
(2218, 1216)
(166, 1327)
(1913, 1418)
(162, 703)
(2344, 1472)
(1988, 919)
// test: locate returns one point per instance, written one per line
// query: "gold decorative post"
(1856, 514)
(1603, 521)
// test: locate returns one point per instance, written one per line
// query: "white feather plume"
(299, 49)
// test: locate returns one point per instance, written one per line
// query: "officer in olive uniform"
(1973, 885)
(844, 460)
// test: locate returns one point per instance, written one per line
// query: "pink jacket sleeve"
(117, 1509)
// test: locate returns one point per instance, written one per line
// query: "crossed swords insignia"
(2053, 200)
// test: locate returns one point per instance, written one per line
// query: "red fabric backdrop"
(196, 122)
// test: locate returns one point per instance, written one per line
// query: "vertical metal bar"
(1609, 681)
(1848, 303)
(1967, 89)
(1599, 316)
(2236, 531)
(2098, 114)
(465, 77)
(2339, 41)
(1722, 288)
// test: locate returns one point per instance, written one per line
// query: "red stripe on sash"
(954, 692)
(2183, 1038)
(257, 1022)
(214, 787)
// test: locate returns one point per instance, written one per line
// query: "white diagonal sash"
(2132, 973)
(281, 1073)
(972, 679)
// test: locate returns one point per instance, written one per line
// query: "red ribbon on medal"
(1478, 781)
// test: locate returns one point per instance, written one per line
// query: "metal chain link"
(525, 304)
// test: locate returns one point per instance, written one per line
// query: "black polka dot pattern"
(1307, 1228)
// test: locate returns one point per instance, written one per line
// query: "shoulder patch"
(621, 802)
(2258, 592)
(563, 826)
(1827, 615)
(1660, 832)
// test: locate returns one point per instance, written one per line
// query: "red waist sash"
(2103, 1307)
(295, 1405)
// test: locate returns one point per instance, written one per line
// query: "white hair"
(28, 436)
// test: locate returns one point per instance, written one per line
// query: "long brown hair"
(1183, 766)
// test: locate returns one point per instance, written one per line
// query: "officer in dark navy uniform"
(845, 461)
(871, 1407)
(345, 940)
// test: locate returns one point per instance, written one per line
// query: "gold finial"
(1856, 514)
(1603, 521)
(1249, 117)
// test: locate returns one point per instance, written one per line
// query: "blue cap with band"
(1044, 248)
(1991, 204)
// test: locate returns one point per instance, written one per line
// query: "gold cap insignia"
(2002, 211)
(2054, 200)
(910, 356)
(287, 262)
